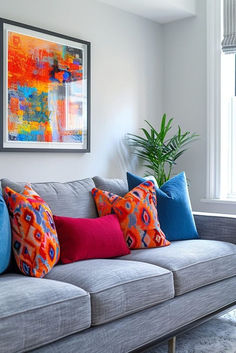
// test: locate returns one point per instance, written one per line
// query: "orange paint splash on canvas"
(38, 71)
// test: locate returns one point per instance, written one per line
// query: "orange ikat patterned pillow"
(137, 215)
(34, 237)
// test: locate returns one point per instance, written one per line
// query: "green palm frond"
(158, 152)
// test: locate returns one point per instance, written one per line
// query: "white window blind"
(229, 39)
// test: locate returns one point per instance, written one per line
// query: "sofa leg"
(172, 345)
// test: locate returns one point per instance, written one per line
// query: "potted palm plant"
(158, 151)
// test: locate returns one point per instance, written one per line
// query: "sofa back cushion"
(115, 186)
(70, 199)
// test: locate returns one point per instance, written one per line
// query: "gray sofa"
(123, 304)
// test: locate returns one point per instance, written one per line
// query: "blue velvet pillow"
(173, 206)
(5, 236)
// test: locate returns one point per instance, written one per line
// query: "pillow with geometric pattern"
(173, 207)
(34, 237)
(137, 215)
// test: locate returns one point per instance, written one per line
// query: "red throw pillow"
(90, 238)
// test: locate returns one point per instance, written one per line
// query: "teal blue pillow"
(5, 236)
(173, 207)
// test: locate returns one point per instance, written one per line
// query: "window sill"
(221, 201)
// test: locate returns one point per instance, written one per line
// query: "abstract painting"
(45, 86)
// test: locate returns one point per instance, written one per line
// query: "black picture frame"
(87, 46)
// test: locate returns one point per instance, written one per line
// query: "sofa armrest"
(215, 226)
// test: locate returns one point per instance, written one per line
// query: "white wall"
(161, 11)
(188, 5)
(139, 71)
(185, 92)
(127, 70)
(185, 98)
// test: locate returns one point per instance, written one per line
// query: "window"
(221, 100)
(228, 123)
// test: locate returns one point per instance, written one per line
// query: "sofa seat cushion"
(194, 263)
(39, 311)
(117, 287)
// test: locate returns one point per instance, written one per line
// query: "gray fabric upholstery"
(117, 288)
(194, 263)
(216, 226)
(116, 186)
(36, 311)
(70, 199)
(135, 330)
(18, 187)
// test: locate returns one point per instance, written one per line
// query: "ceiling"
(161, 11)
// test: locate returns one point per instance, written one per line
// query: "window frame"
(214, 152)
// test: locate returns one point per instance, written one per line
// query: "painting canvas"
(45, 91)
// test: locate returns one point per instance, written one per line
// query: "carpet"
(215, 336)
